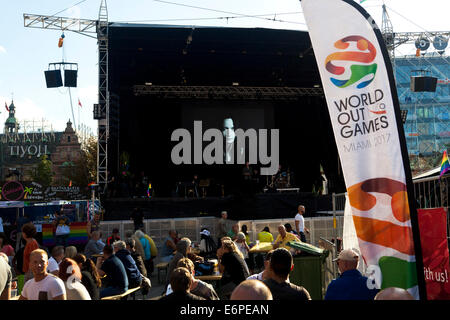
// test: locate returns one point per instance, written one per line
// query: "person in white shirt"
(55, 260)
(300, 223)
(43, 286)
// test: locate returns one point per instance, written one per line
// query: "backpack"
(204, 268)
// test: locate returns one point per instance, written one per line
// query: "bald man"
(394, 294)
(251, 290)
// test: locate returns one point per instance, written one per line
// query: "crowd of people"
(67, 272)
(104, 269)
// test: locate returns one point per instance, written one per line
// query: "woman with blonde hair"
(70, 274)
(233, 268)
(71, 252)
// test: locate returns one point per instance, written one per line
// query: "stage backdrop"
(358, 82)
(433, 236)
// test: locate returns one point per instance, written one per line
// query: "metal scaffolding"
(226, 92)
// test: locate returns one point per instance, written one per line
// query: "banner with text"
(359, 88)
(436, 267)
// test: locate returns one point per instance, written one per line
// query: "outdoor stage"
(163, 78)
(260, 206)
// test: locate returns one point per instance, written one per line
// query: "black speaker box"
(53, 78)
(70, 78)
(423, 83)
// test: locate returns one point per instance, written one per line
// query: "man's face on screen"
(228, 130)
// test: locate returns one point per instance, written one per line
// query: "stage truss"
(226, 92)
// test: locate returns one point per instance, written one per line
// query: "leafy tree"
(44, 173)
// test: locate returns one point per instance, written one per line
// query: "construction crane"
(101, 110)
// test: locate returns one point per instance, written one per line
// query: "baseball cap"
(347, 255)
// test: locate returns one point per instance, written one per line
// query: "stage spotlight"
(53, 78)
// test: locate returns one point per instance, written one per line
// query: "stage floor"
(258, 206)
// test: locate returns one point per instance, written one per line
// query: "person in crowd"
(146, 246)
(5, 247)
(20, 222)
(220, 250)
(351, 285)
(94, 246)
(281, 264)
(113, 237)
(43, 286)
(265, 274)
(242, 245)
(265, 235)
(198, 287)
(5, 277)
(222, 227)
(55, 260)
(137, 243)
(283, 238)
(70, 274)
(233, 268)
(244, 230)
(300, 223)
(251, 290)
(28, 233)
(138, 218)
(133, 273)
(169, 246)
(183, 248)
(71, 252)
(131, 247)
(180, 282)
(289, 229)
(89, 276)
(153, 254)
(17, 265)
(116, 281)
(233, 231)
(207, 245)
(93, 224)
(393, 293)
(62, 225)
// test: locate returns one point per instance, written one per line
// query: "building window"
(68, 139)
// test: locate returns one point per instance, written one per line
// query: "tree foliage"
(44, 172)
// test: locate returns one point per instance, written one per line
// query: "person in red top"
(114, 237)
(28, 232)
(5, 247)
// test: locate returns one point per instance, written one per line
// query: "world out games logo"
(227, 140)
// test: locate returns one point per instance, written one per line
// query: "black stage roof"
(213, 56)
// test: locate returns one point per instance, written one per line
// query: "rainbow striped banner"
(78, 234)
(445, 166)
(48, 239)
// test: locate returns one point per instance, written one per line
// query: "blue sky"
(26, 52)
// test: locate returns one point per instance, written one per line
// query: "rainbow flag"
(47, 235)
(445, 165)
(78, 234)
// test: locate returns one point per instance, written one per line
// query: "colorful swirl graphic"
(357, 71)
(363, 197)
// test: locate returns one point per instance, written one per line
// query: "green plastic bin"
(309, 268)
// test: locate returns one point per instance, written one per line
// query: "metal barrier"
(431, 192)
